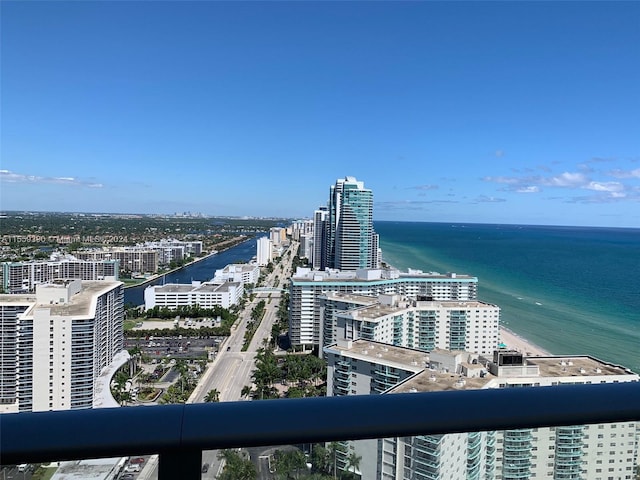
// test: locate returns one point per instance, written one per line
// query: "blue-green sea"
(570, 290)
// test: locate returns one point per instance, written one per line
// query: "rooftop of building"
(350, 297)
(383, 305)
(17, 299)
(195, 287)
(575, 366)
(372, 275)
(549, 367)
(96, 469)
(81, 303)
(410, 359)
(473, 371)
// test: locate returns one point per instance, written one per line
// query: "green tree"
(353, 462)
(236, 467)
(212, 396)
(289, 464)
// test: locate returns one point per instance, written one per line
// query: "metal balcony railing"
(179, 433)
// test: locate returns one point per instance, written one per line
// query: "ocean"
(569, 290)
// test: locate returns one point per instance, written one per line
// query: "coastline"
(513, 341)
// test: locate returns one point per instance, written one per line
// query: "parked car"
(205, 468)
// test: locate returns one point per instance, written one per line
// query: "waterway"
(202, 271)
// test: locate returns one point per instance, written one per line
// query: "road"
(232, 368)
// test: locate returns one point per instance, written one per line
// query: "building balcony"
(180, 433)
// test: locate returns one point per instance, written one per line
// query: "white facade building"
(471, 325)
(306, 327)
(594, 452)
(306, 246)
(22, 277)
(277, 235)
(264, 254)
(56, 343)
(241, 272)
(204, 294)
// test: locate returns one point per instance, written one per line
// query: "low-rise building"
(244, 273)
(203, 294)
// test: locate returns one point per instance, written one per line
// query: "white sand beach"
(513, 341)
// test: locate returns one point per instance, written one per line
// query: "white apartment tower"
(264, 255)
(22, 277)
(594, 452)
(306, 315)
(56, 343)
(470, 325)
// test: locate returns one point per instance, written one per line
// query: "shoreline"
(513, 341)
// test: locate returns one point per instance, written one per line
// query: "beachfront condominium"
(306, 316)
(406, 322)
(22, 277)
(595, 452)
(351, 242)
(55, 345)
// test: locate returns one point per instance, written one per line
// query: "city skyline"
(462, 112)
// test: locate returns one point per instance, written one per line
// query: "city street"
(232, 368)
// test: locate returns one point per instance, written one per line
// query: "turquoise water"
(570, 290)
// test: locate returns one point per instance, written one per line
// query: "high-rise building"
(22, 277)
(132, 259)
(319, 257)
(264, 255)
(596, 452)
(397, 320)
(306, 316)
(350, 236)
(56, 343)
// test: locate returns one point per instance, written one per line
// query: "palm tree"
(353, 462)
(246, 391)
(212, 396)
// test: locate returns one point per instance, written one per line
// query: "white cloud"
(507, 180)
(7, 176)
(625, 173)
(566, 179)
(528, 189)
(605, 186)
(488, 199)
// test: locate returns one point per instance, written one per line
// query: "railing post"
(185, 464)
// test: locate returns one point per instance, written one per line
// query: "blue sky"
(487, 112)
